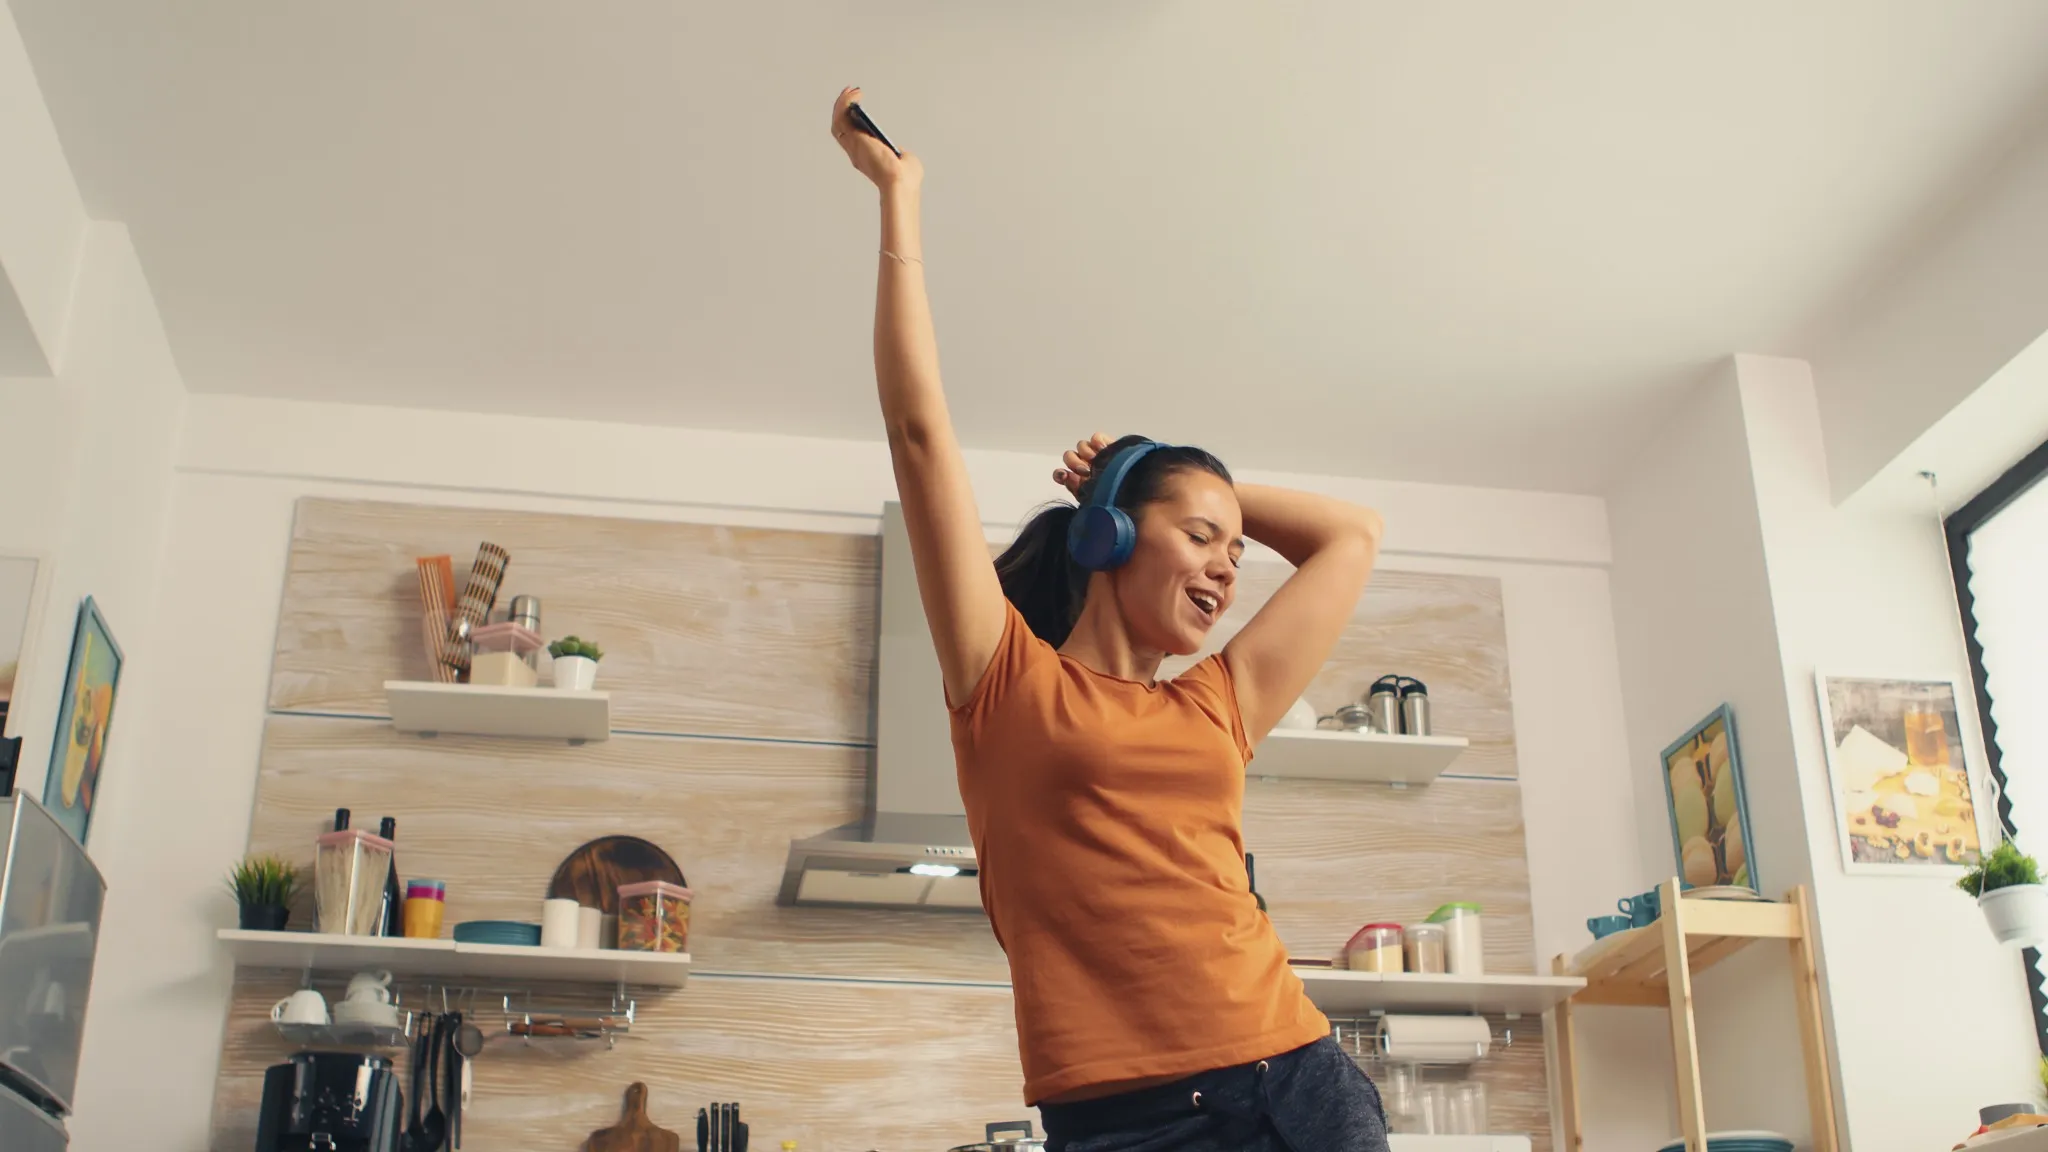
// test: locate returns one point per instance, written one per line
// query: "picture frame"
(1911, 798)
(92, 680)
(24, 587)
(1708, 806)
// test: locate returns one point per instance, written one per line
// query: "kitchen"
(247, 511)
(827, 1023)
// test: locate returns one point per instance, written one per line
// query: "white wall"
(245, 462)
(1928, 331)
(1866, 590)
(1694, 630)
(42, 220)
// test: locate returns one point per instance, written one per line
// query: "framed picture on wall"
(80, 745)
(1708, 807)
(1908, 799)
(23, 580)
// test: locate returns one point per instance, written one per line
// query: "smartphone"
(860, 120)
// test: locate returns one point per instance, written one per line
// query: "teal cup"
(1603, 926)
(1641, 910)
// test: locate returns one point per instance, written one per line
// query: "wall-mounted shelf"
(488, 710)
(1360, 757)
(1339, 992)
(1416, 1142)
(307, 951)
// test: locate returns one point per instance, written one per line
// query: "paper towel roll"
(558, 923)
(1435, 1039)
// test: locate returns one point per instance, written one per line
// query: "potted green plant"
(2007, 885)
(575, 663)
(264, 887)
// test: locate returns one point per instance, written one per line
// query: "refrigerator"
(50, 898)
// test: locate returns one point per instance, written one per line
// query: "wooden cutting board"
(591, 875)
(635, 1132)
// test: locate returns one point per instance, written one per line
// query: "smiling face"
(1182, 576)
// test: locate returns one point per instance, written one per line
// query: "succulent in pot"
(575, 663)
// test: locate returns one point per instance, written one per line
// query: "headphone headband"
(1107, 485)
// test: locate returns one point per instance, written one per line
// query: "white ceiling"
(1476, 242)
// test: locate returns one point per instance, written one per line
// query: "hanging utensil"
(434, 1126)
(415, 1135)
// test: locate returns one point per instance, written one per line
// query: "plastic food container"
(506, 655)
(1464, 953)
(1425, 948)
(654, 916)
(349, 872)
(1375, 948)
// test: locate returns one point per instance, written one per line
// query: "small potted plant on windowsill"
(264, 887)
(2007, 885)
(575, 663)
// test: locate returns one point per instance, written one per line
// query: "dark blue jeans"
(1313, 1099)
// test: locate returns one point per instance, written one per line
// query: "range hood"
(912, 849)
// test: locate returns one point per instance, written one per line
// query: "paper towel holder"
(1365, 1032)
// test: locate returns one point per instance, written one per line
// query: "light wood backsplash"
(741, 665)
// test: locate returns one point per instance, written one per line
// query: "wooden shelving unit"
(312, 951)
(1653, 967)
(1357, 757)
(1339, 992)
(487, 710)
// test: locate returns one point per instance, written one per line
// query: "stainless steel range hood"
(912, 850)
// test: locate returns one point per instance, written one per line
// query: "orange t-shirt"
(1105, 816)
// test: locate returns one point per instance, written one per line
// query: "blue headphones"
(1101, 535)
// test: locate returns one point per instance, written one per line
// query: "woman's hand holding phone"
(874, 159)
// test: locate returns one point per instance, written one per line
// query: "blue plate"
(509, 932)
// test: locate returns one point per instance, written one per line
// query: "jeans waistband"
(1238, 1091)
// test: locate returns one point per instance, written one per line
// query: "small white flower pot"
(575, 673)
(2018, 914)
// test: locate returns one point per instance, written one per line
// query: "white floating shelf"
(1360, 757)
(1413, 1142)
(298, 951)
(488, 710)
(1341, 992)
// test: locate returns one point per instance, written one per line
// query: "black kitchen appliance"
(50, 897)
(330, 1102)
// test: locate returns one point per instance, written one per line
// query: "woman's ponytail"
(1041, 579)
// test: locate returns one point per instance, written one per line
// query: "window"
(1998, 555)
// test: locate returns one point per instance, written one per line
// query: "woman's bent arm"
(1332, 546)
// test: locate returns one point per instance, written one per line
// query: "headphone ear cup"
(1126, 538)
(1101, 538)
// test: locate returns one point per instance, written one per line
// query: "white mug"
(302, 1007)
(372, 986)
(366, 1011)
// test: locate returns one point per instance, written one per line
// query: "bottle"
(393, 915)
(341, 819)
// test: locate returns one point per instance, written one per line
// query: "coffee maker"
(330, 1102)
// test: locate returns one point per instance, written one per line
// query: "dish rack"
(339, 1035)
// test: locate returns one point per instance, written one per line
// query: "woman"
(1155, 1009)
